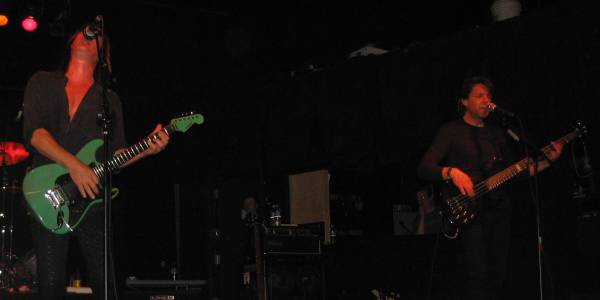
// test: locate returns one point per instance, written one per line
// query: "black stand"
(5, 250)
(105, 121)
(538, 154)
(176, 282)
(264, 208)
(215, 237)
(259, 258)
(175, 271)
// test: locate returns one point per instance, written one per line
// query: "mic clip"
(492, 107)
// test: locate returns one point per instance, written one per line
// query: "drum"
(15, 233)
(15, 237)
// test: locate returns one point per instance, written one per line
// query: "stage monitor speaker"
(309, 199)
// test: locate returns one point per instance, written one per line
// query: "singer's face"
(477, 103)
(84, 49)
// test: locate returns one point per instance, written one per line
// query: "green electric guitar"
(55, 200)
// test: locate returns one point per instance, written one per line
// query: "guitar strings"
(481, 188)
(126, 155)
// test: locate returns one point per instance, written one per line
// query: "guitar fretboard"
(120, 159)
(515, 169)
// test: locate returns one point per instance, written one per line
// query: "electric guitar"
(459, 210)
(54, 198)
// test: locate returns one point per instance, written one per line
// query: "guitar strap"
(493, 165)
(476, 136)
(486, 139)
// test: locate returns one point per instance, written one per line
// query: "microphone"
(494, 108)
(93, 29)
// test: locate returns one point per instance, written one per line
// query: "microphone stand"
(106, 121)
(538, 154)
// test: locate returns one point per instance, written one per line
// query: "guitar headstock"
(187, 120)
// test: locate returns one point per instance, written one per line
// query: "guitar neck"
(120, 159)
(509, 173)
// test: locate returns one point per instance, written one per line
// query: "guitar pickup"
(55, 197)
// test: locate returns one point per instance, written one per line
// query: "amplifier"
(145, 283)
(291, 240)
(163, 295)
(144, 289)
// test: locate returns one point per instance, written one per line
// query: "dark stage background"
(280, 96)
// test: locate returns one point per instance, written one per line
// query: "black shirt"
(478, 151)
(46, 106)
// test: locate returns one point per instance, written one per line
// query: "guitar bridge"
(55, 196)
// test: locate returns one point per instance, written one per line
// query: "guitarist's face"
(84, 49)
(476, 105)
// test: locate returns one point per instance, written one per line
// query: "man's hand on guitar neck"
(155, 145)
(461, 180)
(555, 151)
(552, 154)
(159, 143)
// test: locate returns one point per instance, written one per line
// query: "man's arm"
(84, 178)
(430, 169)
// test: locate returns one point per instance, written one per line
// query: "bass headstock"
(580, 127)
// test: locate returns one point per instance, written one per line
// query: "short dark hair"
(468, 83)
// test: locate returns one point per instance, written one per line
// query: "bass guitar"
(459, 210)
(54, 198)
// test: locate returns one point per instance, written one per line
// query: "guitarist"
(60, 117)
(467, 151)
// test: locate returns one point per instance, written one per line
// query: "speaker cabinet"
(294, 277)
(287, 277)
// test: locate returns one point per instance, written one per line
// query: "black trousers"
(485, 246)
(52, 250)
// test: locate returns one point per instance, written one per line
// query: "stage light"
(32, 12)
(4, 13)
(3, 20)
(29, 24)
